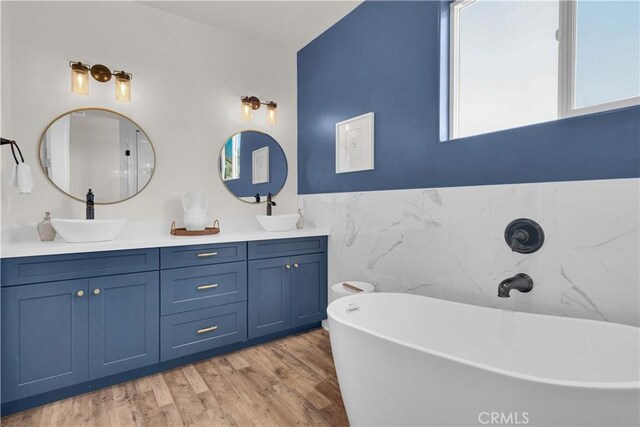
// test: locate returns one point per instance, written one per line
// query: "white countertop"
(23, 241)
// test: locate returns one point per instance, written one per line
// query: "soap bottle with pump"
(45, 229)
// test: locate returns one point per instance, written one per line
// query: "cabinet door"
(308, 289)
(269, 296)
(44, 337)
(124, 323)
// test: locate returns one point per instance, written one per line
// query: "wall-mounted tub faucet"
(518, 237)
(520, 282)
(524, 236)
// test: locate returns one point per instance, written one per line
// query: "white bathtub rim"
(619, 385)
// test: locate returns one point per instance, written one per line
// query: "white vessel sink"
(88, 230)
(278, 222)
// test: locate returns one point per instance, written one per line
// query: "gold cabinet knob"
(80, 293)
(287, 266)
(96, 291)
(296, 265)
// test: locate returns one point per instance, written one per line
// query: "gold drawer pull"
(80, 293)
(205, 330)
(206, 254)
(287, 266)
(296, 265)
(211, 286)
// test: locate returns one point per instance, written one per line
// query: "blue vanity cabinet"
(203, 294)
(269, 296)
(124, 322)
(289, 291)
(308, 289)
(74, 322)
(44, 337)
(69, 319)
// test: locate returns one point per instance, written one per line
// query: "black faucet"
(520, 282)
(90, 203)
(519, 236)
(270, 203)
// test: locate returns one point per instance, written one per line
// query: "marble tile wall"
(449, 243)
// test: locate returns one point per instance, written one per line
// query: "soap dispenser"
(300, 223)
(45, 229)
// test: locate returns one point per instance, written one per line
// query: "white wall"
(188, 79)
(449, 243)
(5, 102)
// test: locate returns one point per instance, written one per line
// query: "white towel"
(23, 178)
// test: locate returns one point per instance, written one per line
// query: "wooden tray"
(206, 232)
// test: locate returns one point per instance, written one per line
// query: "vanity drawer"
(286, 247)
(195, 331)
(192, 288)
(49, 268)
(189, 256)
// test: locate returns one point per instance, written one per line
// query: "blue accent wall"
(384, 57)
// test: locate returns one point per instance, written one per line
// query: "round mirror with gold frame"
(251, 165)
(97, 149)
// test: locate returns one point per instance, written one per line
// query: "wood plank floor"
(291, 381)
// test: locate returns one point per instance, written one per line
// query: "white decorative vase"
(195, 211)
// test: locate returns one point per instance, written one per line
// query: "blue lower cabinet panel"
(44, 337)
(189, 256)
(124, 323)
(286, 247)
(269, 296)
(308, 289)
(191, 332)
(193, 288)
(48, 268)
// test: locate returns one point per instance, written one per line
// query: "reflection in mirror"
(97, 149)
(252, 163)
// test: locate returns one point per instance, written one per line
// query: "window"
(515, 63)
(230, 162)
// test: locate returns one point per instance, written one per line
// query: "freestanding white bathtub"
(411, 360)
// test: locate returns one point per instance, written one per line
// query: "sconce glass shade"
(79, 78)
(246, 110)
(272, 113)
(123, 86)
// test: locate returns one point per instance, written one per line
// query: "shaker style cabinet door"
(124, 323)
(44, 337)
(269, 296)
(308, 289)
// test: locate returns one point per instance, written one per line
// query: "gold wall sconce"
(80, 79)
(250, 103)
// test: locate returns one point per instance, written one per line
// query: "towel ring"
(13, 144)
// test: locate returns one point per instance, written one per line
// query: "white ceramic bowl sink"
(278, 222)
(88, 230)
